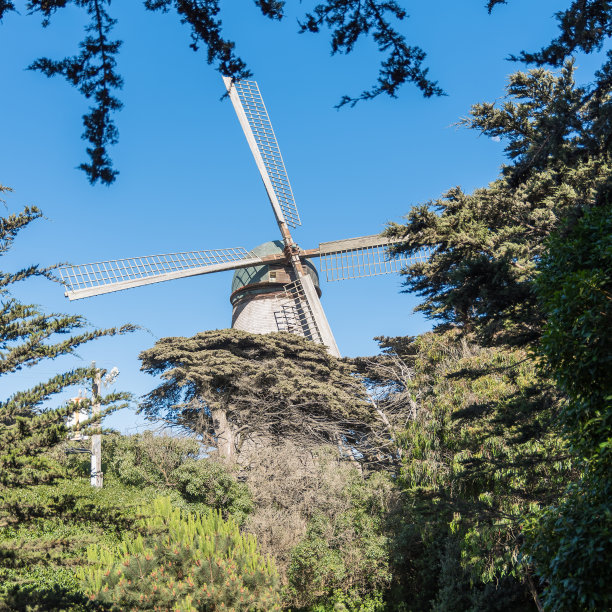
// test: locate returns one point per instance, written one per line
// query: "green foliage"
(479, 450)
(457, 591)
(493, 441)
(584, 26)
(485, 246)
(174, 464)
(30, 426)
(344, 556)
(93, 72)
(41, 553)
(187, 562)
(571, 542)
(351, 20)
(351, 601)
(575, 289)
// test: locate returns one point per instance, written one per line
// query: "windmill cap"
(261, 274)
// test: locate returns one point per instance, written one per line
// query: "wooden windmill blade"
(255, 122)
(361, 257)
(91, 279)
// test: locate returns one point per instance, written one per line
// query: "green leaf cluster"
(479, 452)
(510, 435)
(484, 247)
(570, 542)
(344, 557)
(42, 550)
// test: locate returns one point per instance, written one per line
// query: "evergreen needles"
(187, 563)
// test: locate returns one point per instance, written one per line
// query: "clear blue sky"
(188, 180)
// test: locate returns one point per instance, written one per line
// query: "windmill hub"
(259, 299)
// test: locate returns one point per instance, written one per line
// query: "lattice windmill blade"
(303, 314)
(360, 257)
(255, 122)
(91, 279)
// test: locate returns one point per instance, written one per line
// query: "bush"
(42, 551)
(570, 542)
(175, 464)
(324, 524)
(187, 562)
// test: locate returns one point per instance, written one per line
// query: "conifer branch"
(352, 20)
(6, 6)
(11, 225)
(27, 429)
(93, 73)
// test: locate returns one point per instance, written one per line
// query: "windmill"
(275, 286)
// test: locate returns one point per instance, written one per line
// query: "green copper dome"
(261, 274)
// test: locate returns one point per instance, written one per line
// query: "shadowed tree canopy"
(569, 541)
(235, 387)
(517, 269)
(585, 25)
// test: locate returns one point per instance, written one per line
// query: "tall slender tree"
(519, 275)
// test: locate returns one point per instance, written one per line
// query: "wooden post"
(96, 439)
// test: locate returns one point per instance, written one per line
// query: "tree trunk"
(223, 434)
(533, 591)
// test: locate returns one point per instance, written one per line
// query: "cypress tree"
(239, 390)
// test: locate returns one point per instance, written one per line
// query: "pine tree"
(485, 246)
(187, 562)
(29, 423)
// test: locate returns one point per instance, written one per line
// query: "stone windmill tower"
(275, 286)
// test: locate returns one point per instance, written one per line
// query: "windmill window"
(272, 276)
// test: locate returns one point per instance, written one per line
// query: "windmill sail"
(305, 310)
(116, 275)
(360, 257)
(253, 117)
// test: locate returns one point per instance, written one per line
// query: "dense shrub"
(169, 463)
(41, 553)
(480, 450)
(186, 562)
(324, 523)
(570, 542)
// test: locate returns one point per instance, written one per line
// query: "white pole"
(96, 439)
